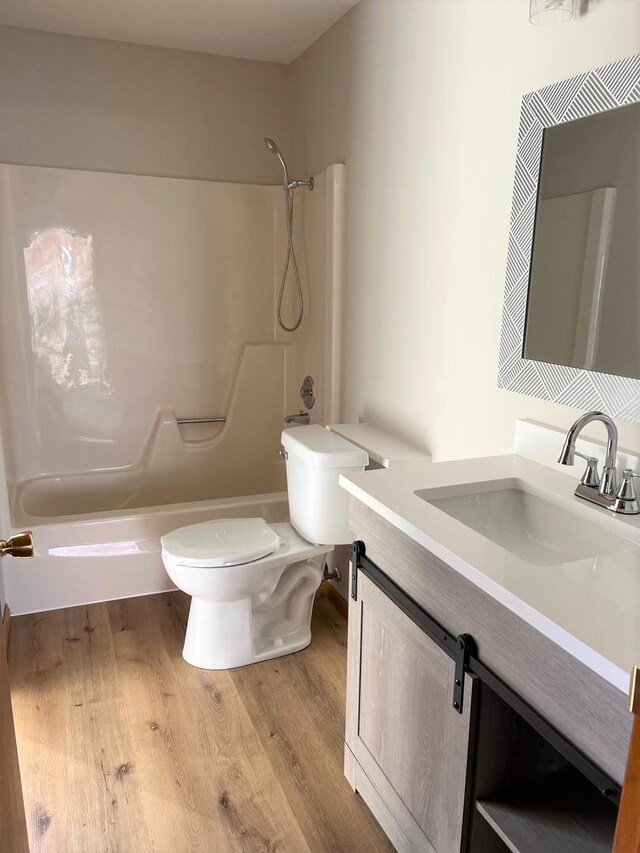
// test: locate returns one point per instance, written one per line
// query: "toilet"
(253, 584)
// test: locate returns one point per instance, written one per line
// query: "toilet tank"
(318, 506)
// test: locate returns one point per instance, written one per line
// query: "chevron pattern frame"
(605, 88)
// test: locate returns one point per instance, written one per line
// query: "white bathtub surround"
(590, 606)
(179, 463)
(131, 302)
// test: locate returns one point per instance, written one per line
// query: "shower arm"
(293, 185)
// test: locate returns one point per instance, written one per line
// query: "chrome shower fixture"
(289, 186)
(286, 182)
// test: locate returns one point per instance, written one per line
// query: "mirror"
(571, 309)
(584, 288)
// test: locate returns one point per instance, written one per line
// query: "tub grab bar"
(201, 420)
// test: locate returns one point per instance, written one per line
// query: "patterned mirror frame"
(597, 91)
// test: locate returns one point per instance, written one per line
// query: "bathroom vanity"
(519, 741)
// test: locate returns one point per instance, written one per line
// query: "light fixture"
(546, 13)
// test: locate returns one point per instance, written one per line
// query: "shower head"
(271, 146)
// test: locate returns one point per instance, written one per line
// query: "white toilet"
(252, 583)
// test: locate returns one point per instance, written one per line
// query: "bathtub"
(101, 556)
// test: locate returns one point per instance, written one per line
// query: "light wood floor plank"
(37, 641)
(241, 787)
(155, 712)
(125, 747)
(40, 732)
(103, 799)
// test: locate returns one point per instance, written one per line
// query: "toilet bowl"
(253, 584)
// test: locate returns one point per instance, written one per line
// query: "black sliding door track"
(463, 650)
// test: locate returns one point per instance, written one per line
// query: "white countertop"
(589, 607)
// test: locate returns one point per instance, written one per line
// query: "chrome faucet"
(604, 490)
(607, 485)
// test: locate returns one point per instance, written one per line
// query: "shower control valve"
(308, 392)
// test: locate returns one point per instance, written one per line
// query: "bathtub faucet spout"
(301, 418)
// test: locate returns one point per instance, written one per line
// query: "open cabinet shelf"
(559, 812)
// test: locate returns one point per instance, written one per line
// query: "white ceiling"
(273, 30)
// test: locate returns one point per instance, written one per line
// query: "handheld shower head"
(271, 146)
(289, 186)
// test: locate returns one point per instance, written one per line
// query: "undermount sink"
(532, 528)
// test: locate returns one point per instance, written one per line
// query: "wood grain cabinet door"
(405, 736)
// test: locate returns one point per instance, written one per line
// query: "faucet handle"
(591, 477)
(627, 488)
(628, 476)
(626, 501)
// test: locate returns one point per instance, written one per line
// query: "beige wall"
(421, 99)
(89, 104)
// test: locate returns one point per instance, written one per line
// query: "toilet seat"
(221, 543)
(292, 548)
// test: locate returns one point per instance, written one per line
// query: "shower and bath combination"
(289, 186)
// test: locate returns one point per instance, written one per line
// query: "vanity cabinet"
(406, 744)
(519, 769)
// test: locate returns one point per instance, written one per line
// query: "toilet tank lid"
(323, 449)
(222, 542)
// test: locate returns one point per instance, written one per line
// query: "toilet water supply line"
(289, 186)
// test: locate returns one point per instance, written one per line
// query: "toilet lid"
(223, 542)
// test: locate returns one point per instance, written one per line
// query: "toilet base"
(225, 631)
(219, 636)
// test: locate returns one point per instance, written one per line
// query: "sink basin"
(532, 528)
